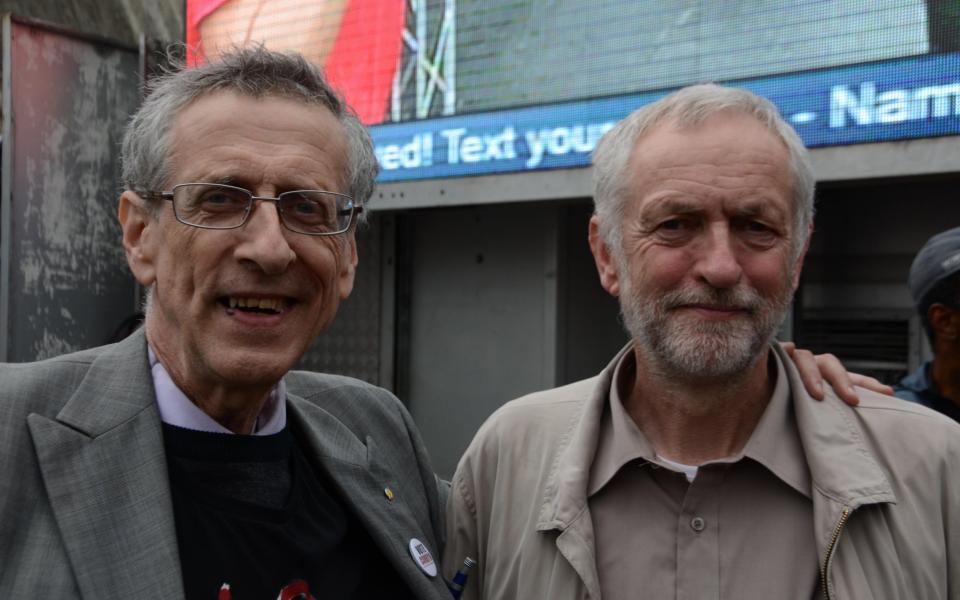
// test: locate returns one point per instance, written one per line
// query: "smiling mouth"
(713, 311)
(265, 306)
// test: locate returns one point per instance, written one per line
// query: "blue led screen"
(500, 87)
(895, 100)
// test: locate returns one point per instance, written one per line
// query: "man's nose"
(264, 240)
(718, 263)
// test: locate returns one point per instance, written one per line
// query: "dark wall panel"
(65, 281)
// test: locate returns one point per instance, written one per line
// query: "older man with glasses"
(189, 460)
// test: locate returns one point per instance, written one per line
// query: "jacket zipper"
(830, 549)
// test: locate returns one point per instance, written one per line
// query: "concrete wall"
(481, 317)
(590, 331)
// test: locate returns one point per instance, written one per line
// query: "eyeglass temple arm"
(156, 195)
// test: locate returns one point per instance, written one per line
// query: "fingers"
(817, 369)
(839, 379)
(810, 370)
(870, 383)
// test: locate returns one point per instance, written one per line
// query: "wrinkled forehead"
(268, 131)
(728, 141)
(725, 158)
(731, 128)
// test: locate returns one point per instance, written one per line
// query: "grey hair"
(255, 72)
(686, 108)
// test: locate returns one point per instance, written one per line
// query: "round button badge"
(423, 558)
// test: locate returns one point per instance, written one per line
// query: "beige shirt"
(741, 529)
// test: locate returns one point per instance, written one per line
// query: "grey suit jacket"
(85, 508)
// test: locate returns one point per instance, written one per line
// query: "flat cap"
(939, 258)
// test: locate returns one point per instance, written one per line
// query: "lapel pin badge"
(423, 558)
(389, 494)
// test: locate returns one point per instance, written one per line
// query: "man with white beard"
(696, 465)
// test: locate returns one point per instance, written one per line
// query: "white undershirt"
(690, 471)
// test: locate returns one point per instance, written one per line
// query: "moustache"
(739, 298)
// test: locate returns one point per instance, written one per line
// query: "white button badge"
(423, 558)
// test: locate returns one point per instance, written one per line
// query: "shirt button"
(698, 524)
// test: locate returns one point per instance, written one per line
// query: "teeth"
(274, 304)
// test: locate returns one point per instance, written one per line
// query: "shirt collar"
(774, 443)
(620, 440)
(176, 409)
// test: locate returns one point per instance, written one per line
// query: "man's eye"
(758, 229)
(672, 225)
(221, 200)
(216, 198)
(305, 208)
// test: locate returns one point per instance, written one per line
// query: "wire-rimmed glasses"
(221, 206)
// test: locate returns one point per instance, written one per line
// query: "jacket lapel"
(358, 472)
(564, 504)
(105, 473)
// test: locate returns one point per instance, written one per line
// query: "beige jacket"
(886, 495)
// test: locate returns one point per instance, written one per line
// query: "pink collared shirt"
(176, 409)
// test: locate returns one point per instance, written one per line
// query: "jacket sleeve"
(952, 518)
(463, 534)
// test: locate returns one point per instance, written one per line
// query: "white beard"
(682, 345)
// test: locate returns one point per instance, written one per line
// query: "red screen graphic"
(356, 42)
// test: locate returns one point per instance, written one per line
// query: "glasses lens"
(314, 212)
(210, 205)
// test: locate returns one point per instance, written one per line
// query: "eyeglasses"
(218, 206)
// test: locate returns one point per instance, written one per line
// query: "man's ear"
(798, 262)
(139, 229)
(606, 265)
(348, 265)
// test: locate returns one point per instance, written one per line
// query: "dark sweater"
(251, 512)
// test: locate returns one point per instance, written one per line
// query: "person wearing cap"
(935, 285)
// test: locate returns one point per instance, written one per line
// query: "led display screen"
(464, 87)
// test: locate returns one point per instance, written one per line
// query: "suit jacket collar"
(117, 387)
(105, 472)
